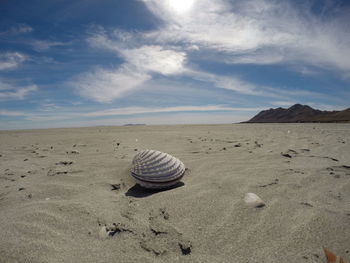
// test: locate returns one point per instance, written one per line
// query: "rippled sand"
(61, 190)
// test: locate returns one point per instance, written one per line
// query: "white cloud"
(11, 60)
(145, 110)
(106, 85)
(13, 113)
(43, 45)
(17, 30)
(257, 31)
(147, 58)
(125, 111)
(21, 29)
(156, 59)
(9, 92)
(173, 118)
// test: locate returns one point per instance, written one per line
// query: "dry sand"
(60, 189)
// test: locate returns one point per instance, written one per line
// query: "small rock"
(64, 163)
(286, 155)
(185, 248)
(25, 160)
(115, 187)
(21, 188)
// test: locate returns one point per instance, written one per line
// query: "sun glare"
(181, 6)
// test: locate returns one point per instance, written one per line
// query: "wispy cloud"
(125, 111)
(104, 86)
(44, 45)
(17, 30)
(10, 92)
(145, 110)
(146, 58)
(11, 60)
(255, 31)
(13, 113)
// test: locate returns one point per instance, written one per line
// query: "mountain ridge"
(300, 113)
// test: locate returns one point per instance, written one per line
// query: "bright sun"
(181, 6)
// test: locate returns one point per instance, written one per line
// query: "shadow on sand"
(140, 192)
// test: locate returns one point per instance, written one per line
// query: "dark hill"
(300, 113)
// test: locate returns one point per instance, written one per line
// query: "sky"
(90, 63)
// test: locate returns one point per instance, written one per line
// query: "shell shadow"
(140, 192)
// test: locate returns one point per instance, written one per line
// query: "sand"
(66, 195)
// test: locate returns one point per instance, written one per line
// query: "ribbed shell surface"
(155, 169)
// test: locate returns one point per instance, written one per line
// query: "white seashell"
(253, 200)
(103, 232)
(155, 169)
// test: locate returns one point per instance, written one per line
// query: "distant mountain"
(134, 124)
(300, 113)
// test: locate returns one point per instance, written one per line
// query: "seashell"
(253, 200)
(156, 170)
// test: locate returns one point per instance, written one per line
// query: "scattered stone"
(257, 144)
(115, 187)
(305, 150)
(224, 148)
(164, 213)
(22, 176)
(25, 160)
(306, 204)
(186, 248)
(53, 172)
(274, 182)
(30, 196)
(64, 163)
(21, 188)
(110, 231)
(237, 145)
(286, 155)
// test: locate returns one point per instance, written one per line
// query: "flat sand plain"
(60, 189)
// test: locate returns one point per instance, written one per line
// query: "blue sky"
(86, 62)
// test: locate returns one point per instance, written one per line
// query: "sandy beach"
(62, 190)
